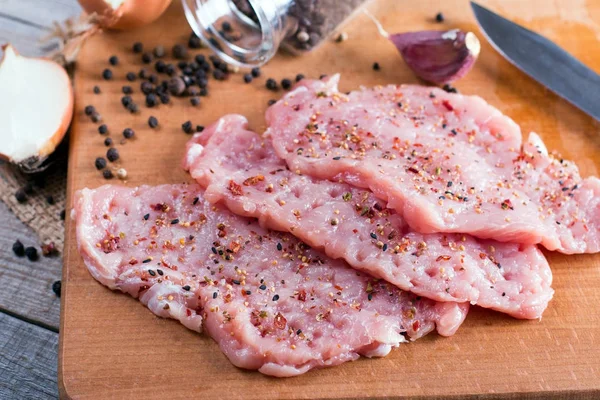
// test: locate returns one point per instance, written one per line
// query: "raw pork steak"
(268, 300)
(241, 170)
(446, 162)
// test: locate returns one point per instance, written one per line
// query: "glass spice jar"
(248, 33)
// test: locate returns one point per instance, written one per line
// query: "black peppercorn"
(126, 100)
(160, 66)
(202, 82)
(97, 90)
(271, 84)
(195, 101)
(199, 128)
(31, 253)
(187, 127)
(187, 80)
(226, 26)
(107, 174)
(102, 129)
(271, 102)
(143, 74)
(113, 60)
(299, 77)
(146, 87)
(133, 108)
(108, 141)
(204, 91)
(112, 154)
(200, 58)
(255, 72)
(100, 163)
(194, 41)
(151, 100)
(128, 133)
(170, 69)
(88, 110)
(56, 288)
(147, 58)
(152, 122)
(127, 90)
(219, 75)
(164, 98)
(138, 47)
(439, 17)
(176, 86)
(107, 74)
(96, 117)
(131, 76)
(449, 88)
(50, 199)
(62, 215)
(179, 51)
(153, 79)
(286, 84)
(376, 66)
(247, 78)
(18, 248)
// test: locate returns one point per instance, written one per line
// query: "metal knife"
(543, 60)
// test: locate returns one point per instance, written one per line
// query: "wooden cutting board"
(113, 347)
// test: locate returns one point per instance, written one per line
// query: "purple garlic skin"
(438, 56)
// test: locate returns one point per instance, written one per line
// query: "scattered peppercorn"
(271, 84)
(112, 154)
(147, 58)
(449, 88)
(194, 41)
(219, 74)
(28, 188)
(179, 51)
(96, 117)
(199, 128)
(439, 17)
(122, 173)
(376, 66)
(131, 76)
(18, 248)
(271, 102)
(146, 87)
(107, 174)
(128, 133)
(126, 100)
(176, 86)
(89, 110)
(164, 98)
(97, 90)
(50, 199)
(255, 72)
(56, 288)
(31, 253)
(107, 74)
(138, 47)
(127, 90)
(187, 127)
(108, 142)
(195, 101)
(144, 73)
(286, 84)
(151, 100)
(62, 215)
(21, 196)
(153, 79)
(113, 60)
(100, 163)
(204, 91)
(276, 297)
(102, 129)
(247, 78)
(299, 77)
(133, 108)
(152, 122)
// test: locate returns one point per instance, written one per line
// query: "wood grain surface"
(113, 347)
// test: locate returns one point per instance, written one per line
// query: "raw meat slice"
(238, 168)
(446, 162)
(268, 300)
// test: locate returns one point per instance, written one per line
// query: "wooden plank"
(26, 285)
(28, 357)
(109, 337)
(39, 13)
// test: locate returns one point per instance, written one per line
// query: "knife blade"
(542, 60)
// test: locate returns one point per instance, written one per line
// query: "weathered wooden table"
(29, 310)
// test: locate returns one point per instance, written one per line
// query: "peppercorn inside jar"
(248, 33)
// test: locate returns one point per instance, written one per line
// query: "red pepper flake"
(49, 249)
(280, 321)
(235, 189)
(416, 325)
(483, 256)
(448, 106)
(253, 180)
(413, 170)
(506, 204)
(188, 312)
(302, 295)
(442, 258)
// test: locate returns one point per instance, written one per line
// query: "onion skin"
(438, 56)
(130, 15)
